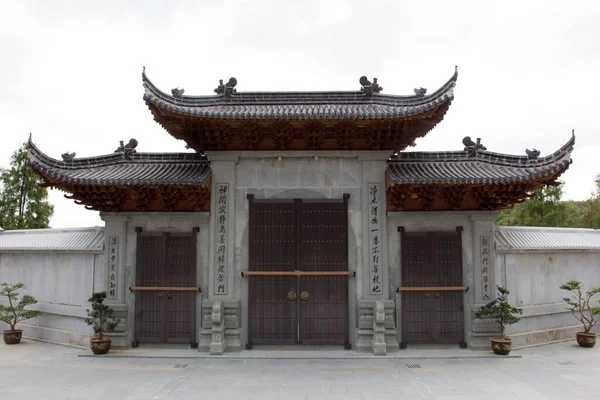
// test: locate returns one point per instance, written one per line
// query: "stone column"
(221, 282)
(376, 327)
(485, 278)
(115, 247)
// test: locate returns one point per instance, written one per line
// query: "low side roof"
(542, 238)
(473, 179)
(73, 239)
(129, 181)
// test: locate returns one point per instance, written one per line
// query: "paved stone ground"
(34, 370)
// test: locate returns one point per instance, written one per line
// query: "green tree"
(23, 202)
(543, 208)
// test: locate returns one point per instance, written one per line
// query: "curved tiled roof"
(115, 169)
(333, 105)
(73, 239)
(542, 238)
(457, 167)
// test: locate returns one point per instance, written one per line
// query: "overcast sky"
(70, 71)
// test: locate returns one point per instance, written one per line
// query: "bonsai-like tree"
(579, 303)
(16, 312)
(500, 310)
(100, 317)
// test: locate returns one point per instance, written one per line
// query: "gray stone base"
(545, 336)
(231, 323)
(364, 343)
(481, 332)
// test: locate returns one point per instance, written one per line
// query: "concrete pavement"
(35, 370)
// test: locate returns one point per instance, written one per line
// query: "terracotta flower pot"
(13, 337)
(100, 346)
(586, 339)
(501, 346)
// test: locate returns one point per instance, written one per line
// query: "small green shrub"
(15, 312)
(499, 309)
(579, 304)
(100, 317)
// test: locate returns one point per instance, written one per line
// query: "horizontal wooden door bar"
(298, 273)
(434, 289)
(174, 289)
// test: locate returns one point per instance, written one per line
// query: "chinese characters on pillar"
(113, 267)
(484, 248)
(375, 238)
(221, 223)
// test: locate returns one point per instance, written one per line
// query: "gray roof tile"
(541, 238)
(75, 239)
(456, 167)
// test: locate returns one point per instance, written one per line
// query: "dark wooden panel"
(149, 306)
(449, 316)
(272, 247)
(416, 272)
(323, 243)
(181, 271)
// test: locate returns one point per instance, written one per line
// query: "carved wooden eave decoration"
(357, 120)
(130, 181)
(473, 179)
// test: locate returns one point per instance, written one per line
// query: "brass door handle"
(168, 295)
(291, 297)
(304, 296)
(427, 296)
(437, 296)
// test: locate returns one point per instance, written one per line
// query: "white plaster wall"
(62, 284)
(533, 279)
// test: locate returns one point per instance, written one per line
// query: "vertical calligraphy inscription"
(221, 222)
(484, 242)
(375, 238)
(113, 266)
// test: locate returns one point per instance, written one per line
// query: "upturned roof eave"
(162, 100)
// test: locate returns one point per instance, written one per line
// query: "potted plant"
(504, 314)
(100, 317)
(579, 303)
(15, 312)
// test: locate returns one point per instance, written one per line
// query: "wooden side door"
(323, 246)
(165, 260)
(432, 260)
(273, 246)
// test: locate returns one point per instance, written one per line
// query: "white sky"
(70, 71)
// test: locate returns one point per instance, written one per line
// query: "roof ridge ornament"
(127, 150)
(177, 92)
(68, 157)
(532, 154)
(228, 89)
(368, 88)
(471, 147)
(420, 92)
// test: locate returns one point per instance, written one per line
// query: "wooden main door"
(303, 236)
(165, 260)
(432, 291)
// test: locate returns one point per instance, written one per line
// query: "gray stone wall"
(289, 175)
(61, 282)
(533, 278)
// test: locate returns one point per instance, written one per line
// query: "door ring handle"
(291, 297)
(304, 296)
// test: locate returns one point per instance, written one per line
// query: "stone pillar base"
(383, 336)
(217, 339)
